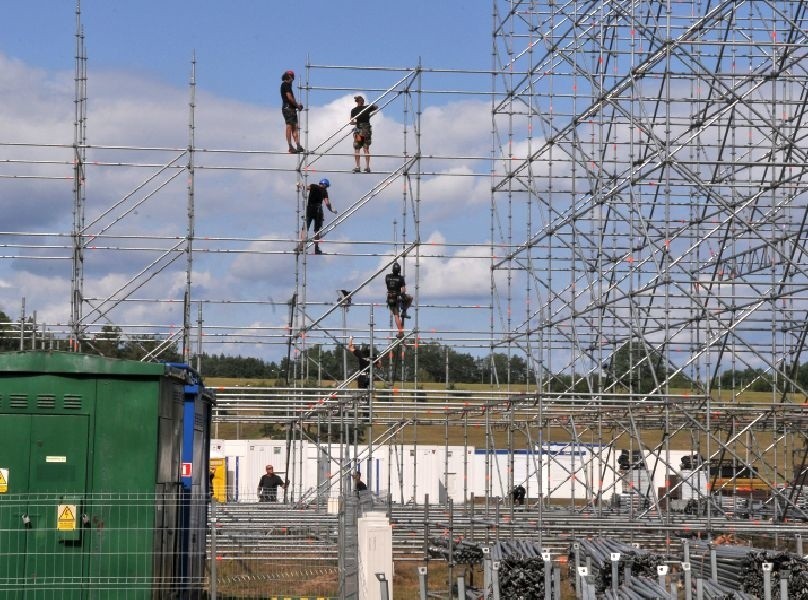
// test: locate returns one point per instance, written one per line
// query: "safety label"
(66, 517)
(3, 480)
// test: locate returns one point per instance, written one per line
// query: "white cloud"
(448, 272)
(247, 207)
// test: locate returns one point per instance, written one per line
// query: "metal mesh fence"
(102, 545)
(130, 546)
(269, 549)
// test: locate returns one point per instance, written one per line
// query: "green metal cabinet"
(97, 441)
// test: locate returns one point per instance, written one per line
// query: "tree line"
(634, 366)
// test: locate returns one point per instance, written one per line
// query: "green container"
(89, 476)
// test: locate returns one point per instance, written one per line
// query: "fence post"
(545, 556)
(213, 549)
(495, 578)
(461, 587)
(422, 579)
(767, 580)
(487, 578)
(688, 585)
(383, 589)
(556, 583)
(661, 571)
(615, 556)
(580, 582)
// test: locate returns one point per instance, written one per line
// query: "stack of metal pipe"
(742, 568)
(711, 590)
(596, 553)
(637, 588)
(521, 569)
(462, 551)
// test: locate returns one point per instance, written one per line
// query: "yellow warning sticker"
(3, 480)
(66, 517)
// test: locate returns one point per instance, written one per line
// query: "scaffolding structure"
(644, 246)
(649, 195)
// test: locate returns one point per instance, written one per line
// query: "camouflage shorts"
(362, 136)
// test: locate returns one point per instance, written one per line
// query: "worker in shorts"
(362, 132)
(289, 109)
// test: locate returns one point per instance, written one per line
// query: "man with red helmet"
(289, 110)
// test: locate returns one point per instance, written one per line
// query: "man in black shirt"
(519, 493)
(359, 485)
(398, 301)
(289, 109)
(268, 485)
(360, 117)
(363, 381)
(317, 194)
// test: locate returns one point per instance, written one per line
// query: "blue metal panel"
(195, 486)
(237, 487)
(188, 440)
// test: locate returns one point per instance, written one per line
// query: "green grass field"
(766, 443)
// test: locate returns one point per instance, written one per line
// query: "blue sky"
(138, 67)
(243, 46)
(246, 199)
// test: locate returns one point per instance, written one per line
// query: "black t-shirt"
(317, 194)
(363, 381)
(394, 283)
(268, 485)
(362, 113)
(361, 486)
(286, 86)
(364, 361)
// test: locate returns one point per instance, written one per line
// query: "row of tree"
(634, 366)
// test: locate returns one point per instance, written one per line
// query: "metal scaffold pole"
(623, 265)
(189, 243)
(79, 152)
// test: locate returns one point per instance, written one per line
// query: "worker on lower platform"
(398, 301)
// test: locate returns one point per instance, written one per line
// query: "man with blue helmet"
(317, 194)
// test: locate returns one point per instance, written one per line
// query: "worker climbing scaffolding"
(388, 364)
(398, 301)
(316, 194)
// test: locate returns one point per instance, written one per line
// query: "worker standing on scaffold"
(362, 132)
(398, 301)
(317, 194)
(289, 109)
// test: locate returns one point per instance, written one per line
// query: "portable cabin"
(90, 477)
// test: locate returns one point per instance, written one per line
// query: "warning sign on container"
(3, 480)
(66, 517)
